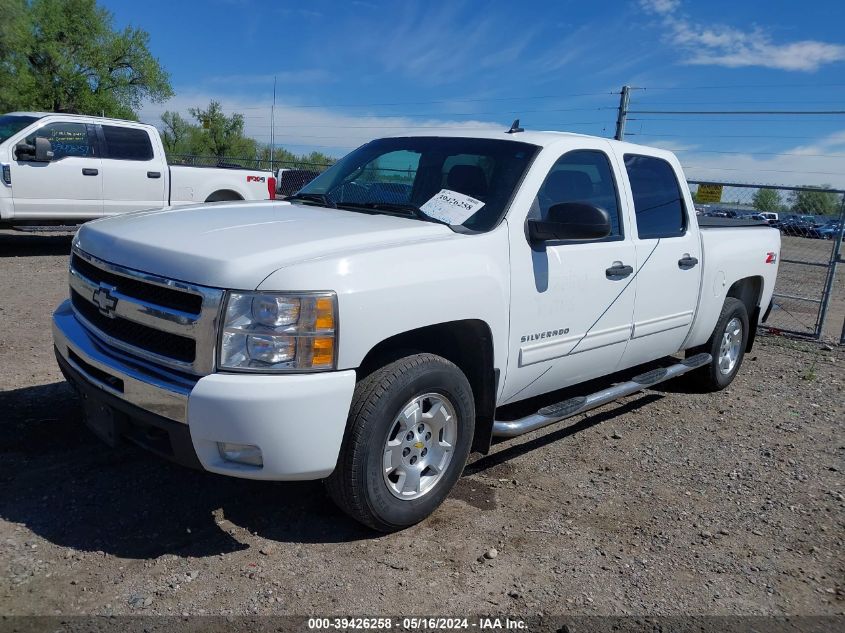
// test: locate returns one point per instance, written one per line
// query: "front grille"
(149, 339)
(151, 293)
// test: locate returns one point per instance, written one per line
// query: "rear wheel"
(726, 345)
(409, 434)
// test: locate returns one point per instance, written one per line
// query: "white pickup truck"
(69, 168)
(370, 329)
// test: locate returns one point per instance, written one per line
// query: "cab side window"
(126, 143)
(581, 176)
(658, 200)
(66, 139)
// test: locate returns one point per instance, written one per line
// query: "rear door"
(133, 177)
(668, 258)
(68, 187)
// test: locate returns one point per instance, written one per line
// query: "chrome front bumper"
(144, 385)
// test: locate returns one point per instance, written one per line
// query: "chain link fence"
(809, 298)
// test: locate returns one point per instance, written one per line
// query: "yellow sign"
(709, 193)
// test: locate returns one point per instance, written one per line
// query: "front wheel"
(409, 434)
(726, 345)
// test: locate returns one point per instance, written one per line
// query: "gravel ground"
(669, 502)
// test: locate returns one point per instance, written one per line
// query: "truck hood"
(236, 245)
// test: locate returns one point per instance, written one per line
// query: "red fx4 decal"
(255, 179)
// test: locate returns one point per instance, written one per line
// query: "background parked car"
(830, 231)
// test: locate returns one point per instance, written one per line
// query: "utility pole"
(623, 113)
(273, 124)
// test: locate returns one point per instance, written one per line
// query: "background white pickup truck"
(74, 168)
(345, 334)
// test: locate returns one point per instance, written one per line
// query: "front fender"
(390, 290)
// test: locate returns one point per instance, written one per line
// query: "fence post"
(623, 113)
(831, 273)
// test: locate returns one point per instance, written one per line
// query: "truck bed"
(707, 222)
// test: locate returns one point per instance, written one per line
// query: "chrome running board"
(566, 409)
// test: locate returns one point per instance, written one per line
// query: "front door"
(668, 256)
(68, 187)
(571, 303)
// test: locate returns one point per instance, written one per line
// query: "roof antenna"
(515, 127)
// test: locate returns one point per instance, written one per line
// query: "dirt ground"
(670, 502)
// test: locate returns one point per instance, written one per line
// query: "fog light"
(240, 453)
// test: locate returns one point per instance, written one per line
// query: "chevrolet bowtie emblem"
(104, 300)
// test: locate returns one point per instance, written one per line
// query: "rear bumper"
(297, 421)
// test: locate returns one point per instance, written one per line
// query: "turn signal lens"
(323, 354)
(325, 313)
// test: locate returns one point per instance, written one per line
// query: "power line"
(789, 112)
(720, 102)
(441, 115)
(744, 86)
(457, 128)
(432, 102)
(791, 121)
(766, 136)
(459, 100)
(779, 171)
(715, 151)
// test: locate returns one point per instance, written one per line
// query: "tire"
(397, 413)
(722, 346)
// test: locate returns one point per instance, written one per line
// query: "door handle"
(153, 174)
(618, 271)
(686, 262)
(87, 171)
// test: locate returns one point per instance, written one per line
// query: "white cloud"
(722, 45)
(305, 129)
(660, 6)
(306, 75)
(819, 163)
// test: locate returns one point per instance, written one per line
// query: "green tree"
(224, 135)
(285, 158)
(66, 56)
(815, 202)
(176, 133)
(767, 200)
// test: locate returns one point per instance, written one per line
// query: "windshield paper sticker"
(451, 207)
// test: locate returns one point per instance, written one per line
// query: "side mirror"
(43, 150)
(571, 221)
(24, 151)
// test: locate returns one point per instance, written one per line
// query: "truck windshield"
(399, 175)
(11, 124)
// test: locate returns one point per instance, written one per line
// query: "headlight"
(268, 331)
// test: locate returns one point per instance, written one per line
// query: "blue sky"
(351, 71)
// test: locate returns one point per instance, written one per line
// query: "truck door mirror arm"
(577, 221)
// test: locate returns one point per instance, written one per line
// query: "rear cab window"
(658, 197)
(126, 143)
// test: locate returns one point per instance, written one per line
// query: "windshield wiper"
(319, 198)
(394, 206)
